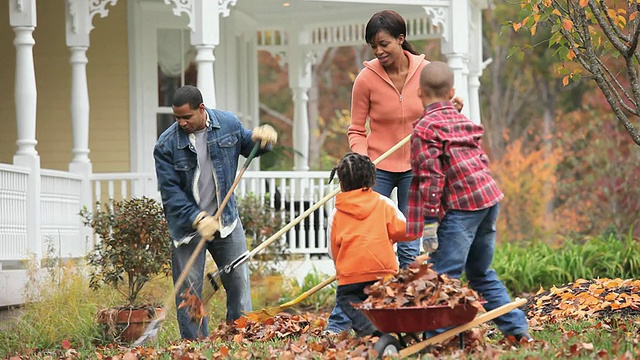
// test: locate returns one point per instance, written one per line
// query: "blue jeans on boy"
(236, 283)
(385, 182)
(467, 243)
(354, 294)
(338, 320)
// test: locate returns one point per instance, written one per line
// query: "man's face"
(189, 119)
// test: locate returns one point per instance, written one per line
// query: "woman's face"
(387, 48)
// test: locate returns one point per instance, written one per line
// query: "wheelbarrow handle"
(490, 315)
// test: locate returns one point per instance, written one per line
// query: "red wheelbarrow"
(414, 322)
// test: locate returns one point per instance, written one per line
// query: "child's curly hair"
(355, 171)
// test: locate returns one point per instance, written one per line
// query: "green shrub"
(134, 246)
(526, 268)
(260, 222)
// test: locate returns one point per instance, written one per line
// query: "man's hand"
(458, 103)
(430, 235)
(266, 134)
(206, 225)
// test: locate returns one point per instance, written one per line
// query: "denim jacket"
(176, 165)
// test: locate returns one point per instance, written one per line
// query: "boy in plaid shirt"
(452, 184)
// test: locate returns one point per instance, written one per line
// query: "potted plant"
(134, 247)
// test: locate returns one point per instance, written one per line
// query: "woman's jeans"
(466, 243)
(407, 251)
(236, 283)
(385, 182)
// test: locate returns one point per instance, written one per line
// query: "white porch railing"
(13, 212)
(59, 208)
(292, 192)
(120, 186)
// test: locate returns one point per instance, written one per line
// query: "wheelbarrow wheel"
(387, 345)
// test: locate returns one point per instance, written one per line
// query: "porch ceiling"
(272, 13)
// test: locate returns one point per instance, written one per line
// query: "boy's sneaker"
(523, 338)
(330, 332)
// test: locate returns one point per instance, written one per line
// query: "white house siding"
(108, 83)
(7, 69)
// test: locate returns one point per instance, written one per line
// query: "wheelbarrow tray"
(419, 319)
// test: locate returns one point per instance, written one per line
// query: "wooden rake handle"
(201, 243)
(160, 316)
(321, 202)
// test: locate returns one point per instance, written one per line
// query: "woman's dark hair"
(391, 22)
(187, 94)
(355, 171)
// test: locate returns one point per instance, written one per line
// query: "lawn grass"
(63, 309)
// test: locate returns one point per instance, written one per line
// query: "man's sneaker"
(523, 338)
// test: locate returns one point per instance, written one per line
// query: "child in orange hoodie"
(362, 230)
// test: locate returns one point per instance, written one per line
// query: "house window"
(176, 67)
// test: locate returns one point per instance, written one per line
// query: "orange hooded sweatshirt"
(391, 113)
(362, 229)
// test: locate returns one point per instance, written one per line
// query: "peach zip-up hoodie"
(391, 113)
(362, 229)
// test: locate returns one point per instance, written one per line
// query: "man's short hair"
(187, 94)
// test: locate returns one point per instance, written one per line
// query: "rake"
(267, 313)
(154, 326)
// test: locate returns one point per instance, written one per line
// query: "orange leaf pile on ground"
(302, 334)
(418, 286)
(584, 299)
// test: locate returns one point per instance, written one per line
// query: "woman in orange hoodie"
(362, 230)
(385, 92)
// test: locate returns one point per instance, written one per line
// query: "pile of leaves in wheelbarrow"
(419, 286)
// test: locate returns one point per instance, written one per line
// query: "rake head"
(263, 315)
(151, 332)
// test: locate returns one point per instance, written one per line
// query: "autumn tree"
(601, 37)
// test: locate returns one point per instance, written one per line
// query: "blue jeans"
(338, 320)
(346, 295)
(385, 182)
(236, 283)
(467, 243)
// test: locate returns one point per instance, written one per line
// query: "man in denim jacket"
(196, 161)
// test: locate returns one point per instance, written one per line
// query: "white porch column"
(300, 60)
(22, 17)
(475, 62)
(78, 25)
(455, 42)
(204, 23)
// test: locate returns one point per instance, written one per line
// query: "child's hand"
(430, 235)
(458, 103)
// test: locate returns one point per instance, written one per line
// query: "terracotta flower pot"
(126, 324)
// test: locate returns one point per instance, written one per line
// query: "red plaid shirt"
(450, 169)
